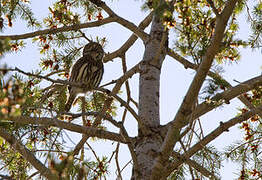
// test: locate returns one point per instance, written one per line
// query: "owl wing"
(87, 70)
(81, 69)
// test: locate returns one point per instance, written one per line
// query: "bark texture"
(149, 140)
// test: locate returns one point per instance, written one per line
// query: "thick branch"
(214, 134)
(192, 93)
(61, 29)
(227, 95)
(18, 146)
(188, 64)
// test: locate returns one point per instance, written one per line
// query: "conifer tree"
(201, 35)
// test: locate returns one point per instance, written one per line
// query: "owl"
(87, 70)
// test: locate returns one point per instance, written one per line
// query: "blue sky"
(175, 79)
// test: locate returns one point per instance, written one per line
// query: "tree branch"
(65, 82)
(107, 104)
(18, 146)
(129, 25)
(213, 135)
(192, 93)
(195, 165)
(131, 40)
(226, 96)
(123, 103)
(212, 5)
(61, 29)
(93, 132)
(188, 64)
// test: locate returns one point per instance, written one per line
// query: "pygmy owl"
(87, 70)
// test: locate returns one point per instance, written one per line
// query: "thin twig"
(212, 5)
(129, 25)
(119, 176)
(131, 40)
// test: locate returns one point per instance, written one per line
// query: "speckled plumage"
(88, 69)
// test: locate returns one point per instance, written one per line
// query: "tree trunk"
(149, 139)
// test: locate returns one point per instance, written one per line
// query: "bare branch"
(18, 146)
(131, 26)
(131, 40)
(61, 29)
(119, 176)
(115, 90)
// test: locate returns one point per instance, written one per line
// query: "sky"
(175, 79)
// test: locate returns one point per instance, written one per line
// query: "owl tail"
(69, 102)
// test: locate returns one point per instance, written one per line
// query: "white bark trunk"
(149, 140)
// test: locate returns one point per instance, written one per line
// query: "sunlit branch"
(61, 29)
(29, 156)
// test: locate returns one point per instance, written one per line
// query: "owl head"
(94, 50)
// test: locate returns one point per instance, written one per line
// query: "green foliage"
(256, 26)
(96, 101)
(179, 174)
(195, 25)
(70, 168)
(210, 158)
(16, 8)
(248, 151)
(20, 96)
(4, 46)
(13, 162)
